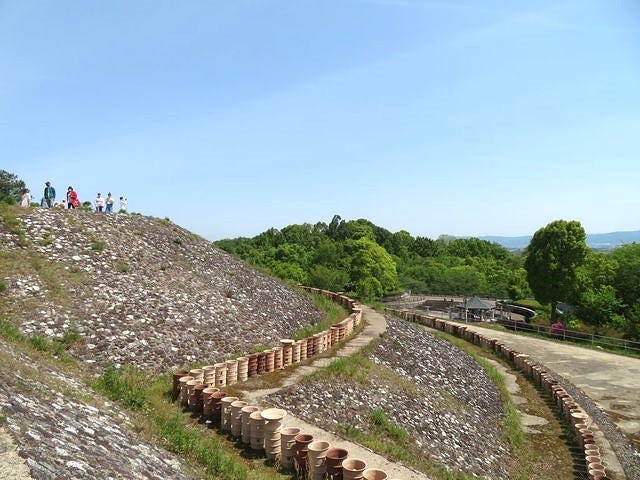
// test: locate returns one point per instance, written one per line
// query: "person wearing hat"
(49, 195)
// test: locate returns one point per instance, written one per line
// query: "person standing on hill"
(25, 201)
(49, 195)
(99, 203)
(109, 201)
(123, 205)
(72, 198)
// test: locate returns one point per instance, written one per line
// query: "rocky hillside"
(138, 290)
(115, 289)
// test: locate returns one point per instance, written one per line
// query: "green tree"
(553, 257)
(370, 260)
(597, 307)
(11, 187)
(627, 274)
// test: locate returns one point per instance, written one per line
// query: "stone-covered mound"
(139, 290)
(60, 434)
(444, 400)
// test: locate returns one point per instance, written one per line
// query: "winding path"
(374, 326)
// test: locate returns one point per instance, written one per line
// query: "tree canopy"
(11, 187)
(553, 257)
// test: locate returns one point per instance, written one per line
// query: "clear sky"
(230, 117)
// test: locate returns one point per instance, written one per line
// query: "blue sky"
(436, 117)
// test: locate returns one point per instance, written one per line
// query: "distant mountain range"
(597, 241)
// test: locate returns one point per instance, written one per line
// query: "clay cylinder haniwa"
(335, 456)
(300, 457)
(236, 418)
(262, 362)
(190, 386)
(271, 428)
(243, 369)
(252, 363)
(353, 468)
(277, 358)
(221, 375)
(232, 371)
(207, 403)
(287, 439)
(216, 407)
(270, 361)
(257, 431)
(245, 430)
(374, 474)
(225, 413)
(295, 352)
(287, 351)
(177, 375)
(303, 349)
(184, 390)
(317, 459)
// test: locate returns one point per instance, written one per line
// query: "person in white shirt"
(109, 201)
(123, 205)
(99, 203)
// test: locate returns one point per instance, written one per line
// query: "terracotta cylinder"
(184, 390)
(252, 360)
(300, 458)
(295, 352)
(197, 402)
(317, 457)
(225, 413)
(221, 375)
(270, 361)
(287, 351)
(374, 474)
(209, 375)
(257, 432)
(236, 418)
(232, 371)
(197, 374)
(277, 358)
(206, 401)
(334, 334)
(353, 469)
(317, 343)
(190, 386)
(262, 363)
(596, 470)
(303, 349)
(579, 417)
(335, 456)
(245, 431)
(177, 375)
(216, 407)
(310, 346)
(287, 444)
(243, 369)
(272, 426)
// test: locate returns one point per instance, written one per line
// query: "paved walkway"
(375, 325)
(611, 381)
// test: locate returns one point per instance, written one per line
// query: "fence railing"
(572, 335)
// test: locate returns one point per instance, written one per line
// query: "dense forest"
(368, 261)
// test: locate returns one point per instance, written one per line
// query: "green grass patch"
(333, 312)
(8, 215)
(9, 331)
(126, 385)
(97, 245)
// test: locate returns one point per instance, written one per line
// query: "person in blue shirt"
(49, 195)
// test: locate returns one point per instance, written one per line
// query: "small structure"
(476, 309)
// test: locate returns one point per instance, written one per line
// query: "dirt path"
(12, 467)
(375, 325)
